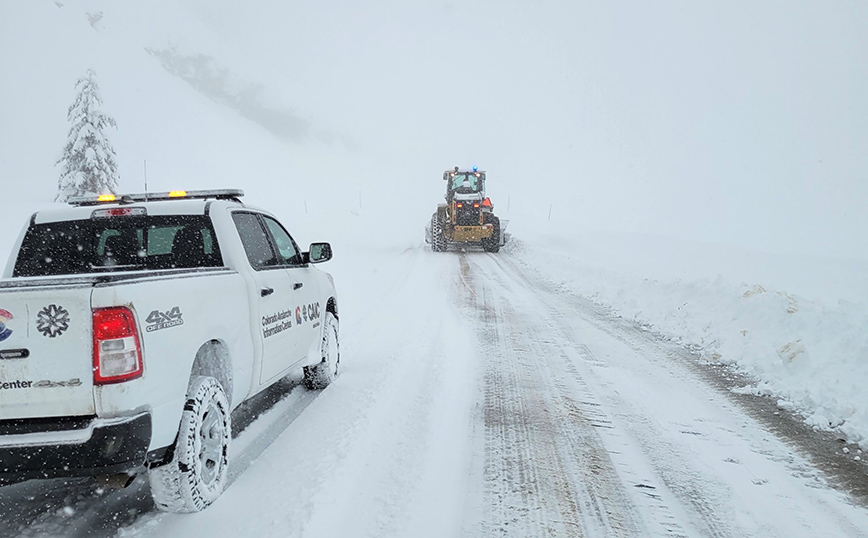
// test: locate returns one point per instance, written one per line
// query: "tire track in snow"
(546, 473)
(697, 494)
(703, 498)
(650, 511)
(690, 490)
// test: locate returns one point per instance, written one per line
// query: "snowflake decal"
(52, 320)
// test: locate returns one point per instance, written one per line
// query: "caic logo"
(313, 311)
(309, 312)
(52, 320)
(5, 332)
(163, 320)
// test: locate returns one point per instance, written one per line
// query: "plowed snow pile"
(795, 324)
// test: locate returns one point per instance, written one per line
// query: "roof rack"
(219, 194)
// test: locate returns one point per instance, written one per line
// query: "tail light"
(459, 204)
(117, 353)
(118, 212)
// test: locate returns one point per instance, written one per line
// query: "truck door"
(305, 293)
(272, 299)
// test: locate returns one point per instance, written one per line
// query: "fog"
(743, 123)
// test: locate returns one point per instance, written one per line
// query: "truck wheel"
(438, 240)
(196, 475)
(321, 375)
(492, 244)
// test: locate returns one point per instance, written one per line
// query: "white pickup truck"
(132, 326)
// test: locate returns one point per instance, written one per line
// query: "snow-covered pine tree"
(88, 164)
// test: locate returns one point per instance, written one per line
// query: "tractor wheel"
(492, 244)
(438, 240)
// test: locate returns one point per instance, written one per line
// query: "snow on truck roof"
(160, 203)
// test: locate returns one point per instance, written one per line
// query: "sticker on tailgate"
(5, 317)
(52, 320)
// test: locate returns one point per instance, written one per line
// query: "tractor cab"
(464, 182)
(467, 182)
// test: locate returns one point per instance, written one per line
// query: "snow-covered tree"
(88, 164)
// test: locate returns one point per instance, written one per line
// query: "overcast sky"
(742, 122)
(740, 119)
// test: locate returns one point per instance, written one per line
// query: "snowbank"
(803, 341)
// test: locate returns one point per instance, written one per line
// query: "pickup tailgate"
(46, 360)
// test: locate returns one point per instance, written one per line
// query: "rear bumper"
(472, 233)
(103, 446)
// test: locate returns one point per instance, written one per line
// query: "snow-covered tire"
(438, 240)
(492, 244)
(196, 476)
(321, 375)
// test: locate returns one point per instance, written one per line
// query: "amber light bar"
(220, 194)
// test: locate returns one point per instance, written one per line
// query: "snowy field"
(744, 243)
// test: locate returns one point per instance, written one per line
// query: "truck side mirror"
(319, 252)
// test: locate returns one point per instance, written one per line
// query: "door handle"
(266, 291)
(297, 285)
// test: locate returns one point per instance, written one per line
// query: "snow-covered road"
(478, 399)
(594, 427)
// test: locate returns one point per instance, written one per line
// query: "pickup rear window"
(128, 243)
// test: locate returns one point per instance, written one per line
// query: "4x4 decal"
(157, 320)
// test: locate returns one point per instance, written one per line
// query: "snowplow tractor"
(467, 218)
